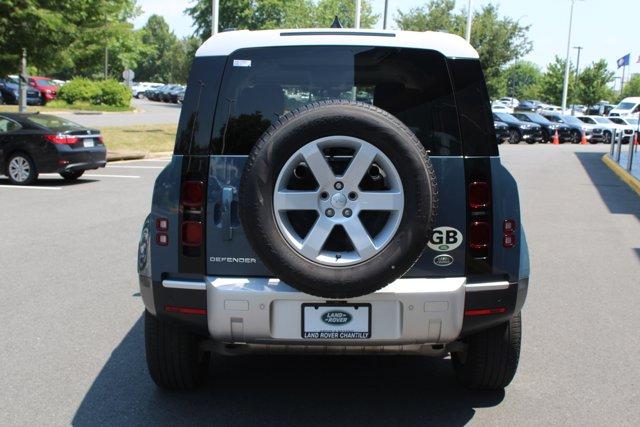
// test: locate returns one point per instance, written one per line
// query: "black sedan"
(502, 132)
(549, 128)
(10, 92)
(40, 143)
(519, 130)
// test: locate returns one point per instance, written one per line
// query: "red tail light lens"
(479, 195)
(185, 310)
(192, 194)
(485, 311)
(192, 233)
(62, 139)
(479, 235)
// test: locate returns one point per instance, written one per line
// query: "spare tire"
(337, 198)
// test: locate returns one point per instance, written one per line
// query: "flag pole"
(624, 67)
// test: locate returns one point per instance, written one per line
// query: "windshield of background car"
(43, 82)
(588, 120)
(539, 118)
(54, 122)
(632, 121)
(602, 120)
(506, 117)
(522, 117)
(625, 106)
(573, 120)
(261, 84)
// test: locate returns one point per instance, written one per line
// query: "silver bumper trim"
(490, 286)
(183, 284)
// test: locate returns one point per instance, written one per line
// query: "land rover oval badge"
(443, 260)
(336, 317)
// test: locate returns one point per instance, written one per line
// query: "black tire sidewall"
(275, 149)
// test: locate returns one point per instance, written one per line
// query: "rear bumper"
(267, 312)
(81, 159)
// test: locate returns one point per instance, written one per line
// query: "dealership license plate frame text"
(358, 325)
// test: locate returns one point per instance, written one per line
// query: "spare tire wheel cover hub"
(336, 208)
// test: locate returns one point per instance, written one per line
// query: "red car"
(46, 87)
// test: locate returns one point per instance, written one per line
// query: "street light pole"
(579, 48)
(386, 11)
(358, 7)
(215, 14)
(565, 87)
(468, 29)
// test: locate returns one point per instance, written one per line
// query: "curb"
(114, 157)
(622, 173)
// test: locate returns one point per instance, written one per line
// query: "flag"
(624, 60)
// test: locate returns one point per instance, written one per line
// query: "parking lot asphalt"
(147, 113)
(72, 336)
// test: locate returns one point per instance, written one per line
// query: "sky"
(604, 28)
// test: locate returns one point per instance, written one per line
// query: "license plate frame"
(311, 331)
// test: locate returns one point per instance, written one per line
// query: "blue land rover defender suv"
(334, 191)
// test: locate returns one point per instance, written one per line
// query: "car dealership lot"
(72, 341)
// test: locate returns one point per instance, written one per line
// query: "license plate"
(88, 142)
(336, 321)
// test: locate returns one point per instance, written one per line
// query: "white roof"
(450, 45)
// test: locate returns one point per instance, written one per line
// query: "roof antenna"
(336, 23)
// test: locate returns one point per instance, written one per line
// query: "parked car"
(601, 109)
(549, 128)
(172, 95)
(511, 102)
(529, 106)
(180, 96)
(153, 94)
(165, 94)
(499, 107)
(138, 89)
(628, 125)
(577, 126)
(551, 109)
(601, 125)
(502, 132)
(48, 89)
(519, 130)
(627, 107)
(322, 234)
(10, 90)
(31, 144)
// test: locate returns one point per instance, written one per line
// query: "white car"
(139, 89)
(509, 101)
(627, 107)
(499, 107)
(629, 125)
(607, 126)
(546, 108)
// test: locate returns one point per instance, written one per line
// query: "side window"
(474, 108)
(7, 125)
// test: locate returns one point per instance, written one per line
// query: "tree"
(66, 37)
(552, 82)
(498, 40)
(523, 80)
(632, 87)
(593, 83)
(267, 14)
(161, 44)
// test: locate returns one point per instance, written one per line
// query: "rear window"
(261, 84)
(54, 122)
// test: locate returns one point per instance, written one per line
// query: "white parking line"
(133, 167)
(111, 176)
(163, 159)
(30, 187)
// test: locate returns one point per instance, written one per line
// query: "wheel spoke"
(318, 164)
(289, 200)
(313, 243)
(359, 166)
(359, 238)
(381, 200)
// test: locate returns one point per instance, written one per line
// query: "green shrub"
(79, 89)
(102, 92)
(114, 94)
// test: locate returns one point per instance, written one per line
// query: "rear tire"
(576, 137)
(71, 176)
(173, 356)
(21, 169)
(491, 358)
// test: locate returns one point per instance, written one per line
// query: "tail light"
(101, 139)
(479, 235)
(479, 195)
(485, 311)
(61, 138)
(192, 233)
(192, 194)
(509, 239)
